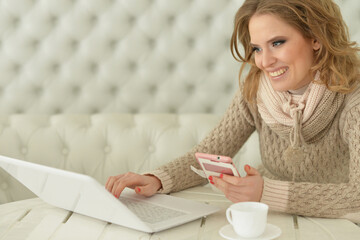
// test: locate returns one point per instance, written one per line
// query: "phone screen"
(219, 169)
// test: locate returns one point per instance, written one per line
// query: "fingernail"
(212, 182)
(210, 178)
(247, 167)
(221, 175)
(138, 189)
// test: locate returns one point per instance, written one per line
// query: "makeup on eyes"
(278, 42)
(275, 41)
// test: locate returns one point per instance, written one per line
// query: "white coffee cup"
(248, 218)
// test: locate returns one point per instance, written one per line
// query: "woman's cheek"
(258, 62)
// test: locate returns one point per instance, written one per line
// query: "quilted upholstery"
(138, 56)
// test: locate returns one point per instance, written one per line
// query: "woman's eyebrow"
(269, 41)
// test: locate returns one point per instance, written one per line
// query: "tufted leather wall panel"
(125, 56)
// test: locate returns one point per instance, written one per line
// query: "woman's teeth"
(277, 73)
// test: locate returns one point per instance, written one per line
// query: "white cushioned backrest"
(134, 56)
(101, 145)
(105, 144)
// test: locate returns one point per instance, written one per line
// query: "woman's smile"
(278, 73)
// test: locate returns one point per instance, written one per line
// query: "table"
(34, 219)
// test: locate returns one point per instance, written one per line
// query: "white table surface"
(34, 219)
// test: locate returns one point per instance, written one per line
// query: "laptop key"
(149, 212)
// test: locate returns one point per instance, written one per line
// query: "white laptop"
(83, 194)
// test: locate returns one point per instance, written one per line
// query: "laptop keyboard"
(149, 212)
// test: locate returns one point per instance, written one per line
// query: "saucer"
(271, 232)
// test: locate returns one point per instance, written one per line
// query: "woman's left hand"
(240, 189)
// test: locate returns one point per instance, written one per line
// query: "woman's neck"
(299, 91)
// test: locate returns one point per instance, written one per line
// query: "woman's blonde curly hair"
(337, 59)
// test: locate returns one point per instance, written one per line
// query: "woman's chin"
(280, 83)
(280, 87)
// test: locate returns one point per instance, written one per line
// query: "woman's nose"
(267, 59)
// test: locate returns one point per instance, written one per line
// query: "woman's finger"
(110, 182)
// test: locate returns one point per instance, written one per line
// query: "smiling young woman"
(301, 94)
(320, 21)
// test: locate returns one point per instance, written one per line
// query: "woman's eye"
(256, 49)
(278, 43)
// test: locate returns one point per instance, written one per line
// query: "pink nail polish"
(212, 182)
(210, 178)
(221, 175)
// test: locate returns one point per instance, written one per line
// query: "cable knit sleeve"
(225, 139)
(323, 200)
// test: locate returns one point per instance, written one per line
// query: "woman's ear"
(316, 44)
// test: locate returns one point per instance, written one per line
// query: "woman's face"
(281, 52)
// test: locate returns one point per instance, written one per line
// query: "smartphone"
(214, 165)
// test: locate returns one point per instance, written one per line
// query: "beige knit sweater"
(326, 182)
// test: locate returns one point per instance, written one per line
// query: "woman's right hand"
(146, 185)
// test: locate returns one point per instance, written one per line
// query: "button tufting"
(133, 110)
(16, 68)
(93, 19)
(172, 110)
(15, 22)
(227, 43)
(74, 44)
(65, 151)
(208, 19)
(53, 20)
(228, 87)
(151, 42)
(209, 109)
(35, 43)
(107, 149)
(191, 42)
(4, 186)
(190, 88)
(171, 19)
(37, 90)
(93, 67)
(94, 110)
(55, 67)
(132, 66)
(113, 90)
(57, 110)
(171, 66)
(152, 89)
(24, 150)
(210, 65)
(75, 90)
(151, 148)
(112, 43)
(19, 110)
(131, 20)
